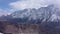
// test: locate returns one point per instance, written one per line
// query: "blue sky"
(9, 6)
(4, 3)
(4, 7)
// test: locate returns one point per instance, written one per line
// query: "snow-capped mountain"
(43, 13)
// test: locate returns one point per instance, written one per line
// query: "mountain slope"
(43, 13)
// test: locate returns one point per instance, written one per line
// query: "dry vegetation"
(19, 28)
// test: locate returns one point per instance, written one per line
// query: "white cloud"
(28, 4)
(3, 12)
(22, 4)
(57, 3)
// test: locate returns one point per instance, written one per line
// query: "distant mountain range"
(43, 14)
(45, 19)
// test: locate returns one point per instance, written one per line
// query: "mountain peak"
(40, 13)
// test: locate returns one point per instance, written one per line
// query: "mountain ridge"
(43, 14)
